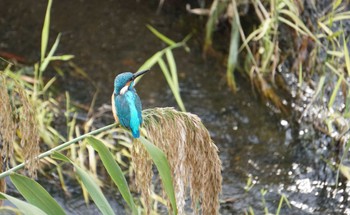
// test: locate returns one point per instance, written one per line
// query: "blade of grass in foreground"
(163, 167)
(36, 195)
(23, 206)
(113, 170)
(94, 191)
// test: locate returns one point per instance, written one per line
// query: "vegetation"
(316, 55)
(28, 111)
(296, 55)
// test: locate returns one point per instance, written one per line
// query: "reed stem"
(56, 149)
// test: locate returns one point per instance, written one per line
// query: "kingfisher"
(126, 104)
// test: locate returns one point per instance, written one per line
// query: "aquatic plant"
(20, 122)
(191, 153)
(8, 126)
(289, 53)
(192, 156)
(26, 115)
(263, 192)
(36, 126)
(169, 69)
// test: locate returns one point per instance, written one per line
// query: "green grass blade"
(341, 16)
(92, 188)
(47, 59)
(95, 192)
(63, 57)
(335, 91)
(300, 78)
(113, 170)
(36, 195)
(45, 31)
(49, 84)
(347, 105)
(299, 26)
(282, 199)
(172, 66)
(23, 206)
(233, 54)
(166, 74)
(346, 55)
(345, 154)
(217, 8)
(161, 36)
(317, 92)
(345, 170)
(150, 63)
(176, 92)
(210, 25)
(163, 167)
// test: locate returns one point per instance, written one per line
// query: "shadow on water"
(108, 37)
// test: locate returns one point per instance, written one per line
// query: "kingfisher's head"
(125, 81)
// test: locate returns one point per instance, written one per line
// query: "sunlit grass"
(318, 58)
(84, 152)
(204, 182)
(166, 61)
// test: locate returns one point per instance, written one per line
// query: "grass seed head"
(192, 155)
(7, 125)
(17, 114)
(28, 129)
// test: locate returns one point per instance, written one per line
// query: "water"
(110, 37)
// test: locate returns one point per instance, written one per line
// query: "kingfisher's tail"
(135, 133)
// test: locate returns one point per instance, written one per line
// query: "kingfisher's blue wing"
(123, 110)
(138, 105)
(128, 108)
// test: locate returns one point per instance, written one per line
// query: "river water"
(109, 37)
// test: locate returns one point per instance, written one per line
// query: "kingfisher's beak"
(137, 74)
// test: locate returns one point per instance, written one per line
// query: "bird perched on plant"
(126, 104)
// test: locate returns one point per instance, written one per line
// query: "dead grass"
(17, 117)
(8, 127)
(29, 132)
(192, 155)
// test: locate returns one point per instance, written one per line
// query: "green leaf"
(171, 84)
(233, 54)
(151, 61)
(36, 195)
(93, 190)
(62, 57)
(346, 55)
(172, 65)
(217, 8)
(161, 36)
(47, 59)
(335, 91)
(345, 170)
(45, 31)
(163, 167)
(23, 206)
(113, 170)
